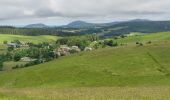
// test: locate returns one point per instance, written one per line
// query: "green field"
(122, 73)
(143, 37)
(34, 39)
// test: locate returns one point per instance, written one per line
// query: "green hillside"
(143, 26)
(34, 39)
(132, 66)
(143, 37)
(124, 72)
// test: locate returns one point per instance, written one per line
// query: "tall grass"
(100, 93)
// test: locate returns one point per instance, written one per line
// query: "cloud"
(19, 10)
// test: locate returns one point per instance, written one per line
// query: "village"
(62, 50)
(24, 54)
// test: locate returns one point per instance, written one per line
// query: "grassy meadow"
(93, 93)
(34, 39)
(127, 72)
(144, 37)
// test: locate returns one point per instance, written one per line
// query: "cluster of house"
(65, 50)
(62, 51)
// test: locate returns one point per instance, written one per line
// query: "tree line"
(45, 31)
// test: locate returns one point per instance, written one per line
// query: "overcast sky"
(57, 12)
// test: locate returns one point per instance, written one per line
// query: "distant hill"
(39, 25)
(80, 24)
(103, 29)
(143, 26)
(139, 20)
(83, 24)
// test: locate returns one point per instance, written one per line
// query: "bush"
(137, 43)
(5, 42)
(149, 42)
(16, 41)
(17, 66)
(10, 48)
(17, 57)
(110, 43)
(140, 44)
(72, 51)
(32, 63)
(1, 65)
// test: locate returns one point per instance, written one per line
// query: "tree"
(17, 57)
(110, 43)
(5, 42)
(62, 41)
(149, 42)
(137, 43)
(11, 48)
(1, 65)
(16, 41)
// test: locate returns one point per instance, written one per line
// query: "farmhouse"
(88, 49)
(63, 51)
(75, 48)
(27, 59)
(14, 45)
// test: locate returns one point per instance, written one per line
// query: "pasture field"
(34, 39)
(144, 37)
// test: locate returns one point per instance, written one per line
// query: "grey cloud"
(85, 9)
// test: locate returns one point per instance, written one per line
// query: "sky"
(61, 12)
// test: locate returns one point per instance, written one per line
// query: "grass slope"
(127, 72)
(161, 36)
(34, 39)
(132, 66)
(123, 70)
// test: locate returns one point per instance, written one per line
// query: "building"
(27, 59)
(14, 45)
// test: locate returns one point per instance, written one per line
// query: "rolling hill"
(143, 26)
(106, 67)
(39, 25)
(103, 29)
(80, 24)
(112, 73)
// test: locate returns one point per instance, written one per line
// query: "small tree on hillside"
(5, 42)
(1, 65)
(17, 57)
(110, 43)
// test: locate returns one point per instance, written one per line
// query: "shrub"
(141, 44)
(17, 57)
(5, 42)
(10, 48)
(110, 43)
(137, 43)
(17, 66)
(149, 42)
(73, 51)
(1, 65)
